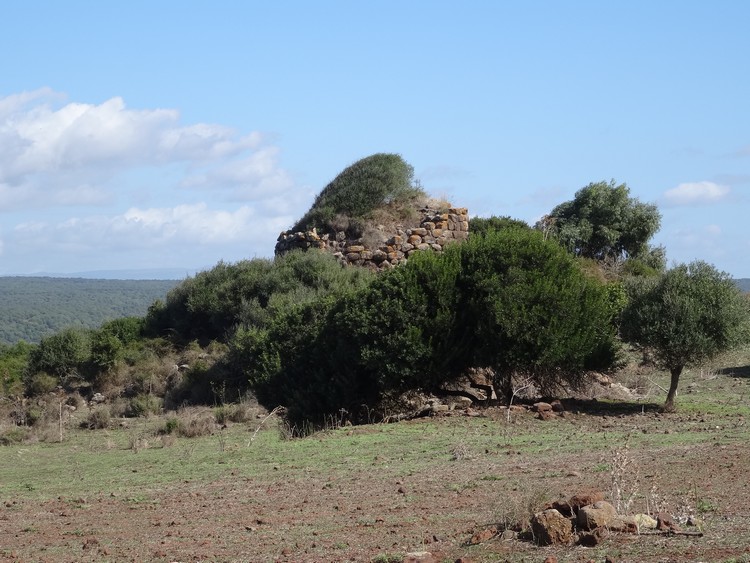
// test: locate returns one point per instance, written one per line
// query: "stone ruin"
(436, 229)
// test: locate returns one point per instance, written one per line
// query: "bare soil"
(377, 506)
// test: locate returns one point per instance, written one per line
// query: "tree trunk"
(669, 404)
(503, 385)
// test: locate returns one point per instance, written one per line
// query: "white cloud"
(69, 154)
(193, 224)
(166, 193)
(696, 193)
(187, 235)
(249, 178)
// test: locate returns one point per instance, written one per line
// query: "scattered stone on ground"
(592, 518)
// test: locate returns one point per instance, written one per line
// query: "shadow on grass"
(739, 371)
(594, 407)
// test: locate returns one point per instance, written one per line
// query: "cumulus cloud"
(56, 153)
(188, 224)
(696, 193)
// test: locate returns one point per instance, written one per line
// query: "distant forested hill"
(743, 284)
(32, 307)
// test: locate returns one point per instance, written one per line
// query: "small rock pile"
(585, 519)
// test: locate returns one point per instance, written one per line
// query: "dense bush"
(249, 293)
(481, 225)
(528, 309)
(366, 185)
(507, 300)
(64, 355)
(13, 361)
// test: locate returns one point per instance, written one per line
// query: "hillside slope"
(32, 307)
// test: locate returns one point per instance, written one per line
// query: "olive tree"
(688, 315)
(604, 223)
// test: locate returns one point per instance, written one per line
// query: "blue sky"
(177, 134)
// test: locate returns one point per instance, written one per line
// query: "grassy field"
(377, 492)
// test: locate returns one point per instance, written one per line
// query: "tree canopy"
(690, 314)
(604, 223)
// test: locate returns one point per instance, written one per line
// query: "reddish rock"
(483, 536)
(584, 499)
(542, 407)
(592, 538)
(551, 528)
(624, 524)
(664, 521)
(563, 507)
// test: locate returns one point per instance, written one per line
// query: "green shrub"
(41, 383)
(13, 361)
(481, 225)
(211, 305)
(507, 300)
(14, 435)
(64, 354)
(171, 425)
(366, 185)
(144, 405)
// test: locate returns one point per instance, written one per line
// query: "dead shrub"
(98, 419)
(519, 505)
(189, 423)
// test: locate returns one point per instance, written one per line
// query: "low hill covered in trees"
(33, 307)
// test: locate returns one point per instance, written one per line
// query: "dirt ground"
(385, 508)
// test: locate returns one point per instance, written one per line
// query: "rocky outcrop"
(435, 230)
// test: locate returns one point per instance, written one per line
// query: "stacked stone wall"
(436, 229)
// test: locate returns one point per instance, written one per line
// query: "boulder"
(645, 522)
(584, 499)
(624, 524)
(597, 515)
(665, 522)
(542, 407)
(551, 528)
